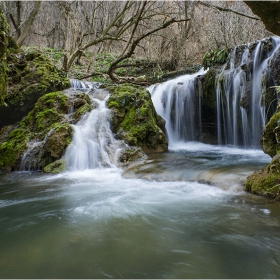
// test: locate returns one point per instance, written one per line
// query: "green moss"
(271, 135)
(31, 75)
(11, 150)
(267, 181)
(85, 108)
(56, 167)
(134, 118)
(46, 118)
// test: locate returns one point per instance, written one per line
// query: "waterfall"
(83, 85)
(241, 106)
(93, 144)
(240, 89)
(175, 101)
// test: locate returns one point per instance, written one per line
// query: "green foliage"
(277, 88)
(215, 57)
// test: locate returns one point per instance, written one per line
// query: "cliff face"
(269, 12)
(4, 29)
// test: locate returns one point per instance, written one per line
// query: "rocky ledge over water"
(267, 181)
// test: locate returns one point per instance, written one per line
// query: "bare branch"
(226, 10)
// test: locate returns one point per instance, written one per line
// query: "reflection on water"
(159, 222)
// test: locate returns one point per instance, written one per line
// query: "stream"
(181, 214)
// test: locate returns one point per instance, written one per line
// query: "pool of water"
(181, 214)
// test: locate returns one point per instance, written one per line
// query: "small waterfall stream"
(93, 144)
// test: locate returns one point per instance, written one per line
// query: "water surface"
(182, 214)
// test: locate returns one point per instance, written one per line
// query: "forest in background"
(113, 39)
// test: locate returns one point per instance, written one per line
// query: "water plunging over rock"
(230, 104)
(176, 103)
(244, 101)
(93, 143)
(83, 85)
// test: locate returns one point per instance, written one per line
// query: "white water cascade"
(93, 144)
(174, 101)
(83, 85)
(241, 106)
(245, 81)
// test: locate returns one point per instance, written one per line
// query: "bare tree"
(21, 26)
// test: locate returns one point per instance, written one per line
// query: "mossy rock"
(267, 181)
(130, 155)
(58, 140)
(270, 139)
(30, 76)
(134, 118)
(12, 148)
(44, 134)
(56, 167)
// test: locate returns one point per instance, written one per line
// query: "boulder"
(42, 137)
(134, 118)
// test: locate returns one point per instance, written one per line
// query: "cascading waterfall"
(93, 145)
(83, 85)
(241, 108)
(174, 101)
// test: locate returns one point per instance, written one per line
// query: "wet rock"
(44, 134)
(134, 119)
(56, 167)
(30, 76)
(270, 139)
(267, 181)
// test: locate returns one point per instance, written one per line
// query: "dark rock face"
(4, 30)
(268, 11)
(134, 119)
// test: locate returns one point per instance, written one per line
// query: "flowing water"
(179, 214)
(183, 214)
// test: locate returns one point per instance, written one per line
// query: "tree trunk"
(28, 23)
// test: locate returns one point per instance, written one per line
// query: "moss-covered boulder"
(25, 75)
(270, 139)
(42, 137)
(267, 181)
(56, 166)
(30, 75)
(134, 118)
